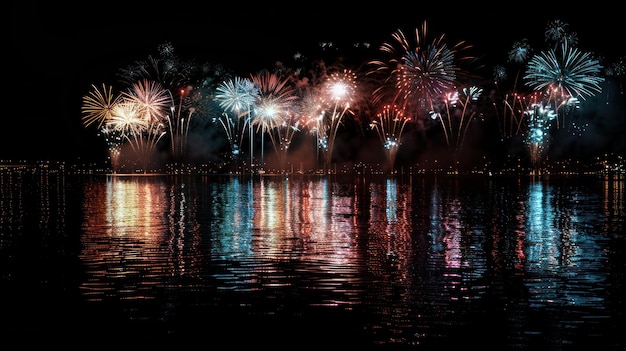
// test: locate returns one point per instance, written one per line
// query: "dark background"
(56, 51)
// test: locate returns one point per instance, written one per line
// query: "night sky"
(57, 51)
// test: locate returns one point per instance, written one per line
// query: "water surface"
(416, 262)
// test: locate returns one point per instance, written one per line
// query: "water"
(415, 262)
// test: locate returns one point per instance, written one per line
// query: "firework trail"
(135, 115)
(562, 74)
(540, 118)
(337, 94)
(142, 133)
(311, 114)
(455, 112)
(114, 140)
(178, 123)
(514, 102)
(389, 125)
(174, 76)
(146, 105)
(418, 71)
(237, 96)
(274, 115)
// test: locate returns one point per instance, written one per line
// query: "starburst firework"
(567, 71)
(274, 113)
(417, 71)
(150, 98)
(337, 94)
(131, 120)
(237, 96)
(539, 120)
(98, 105)
(455, 112)
(564, 73)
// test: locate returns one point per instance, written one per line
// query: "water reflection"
(563, 247)
(418, 261)
(134, 233)
(408, 266)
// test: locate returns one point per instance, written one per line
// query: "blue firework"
(565, 71)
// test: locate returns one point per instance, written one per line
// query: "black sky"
(57, 51)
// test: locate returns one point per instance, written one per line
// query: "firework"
(174, 76)
(135, 116)
(337, 94)
(145, 107)
(416, 72)
(310, 114)
(563, 74)
(520, 52)
(540, 118)
(166, 68)
(455, 112)
(389, 125)
(509, 109)
(97, 106)
(127, 119)
(237, 96)
(131, 120)
(274, 112)
(150, 98)
(178, 124)
(558, 32)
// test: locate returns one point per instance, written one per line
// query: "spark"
(274, 111)
(98, 105)
(389, 125)
(238, 95)
(564, 73)
(337, 94)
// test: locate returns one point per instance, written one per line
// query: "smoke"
(597, 128)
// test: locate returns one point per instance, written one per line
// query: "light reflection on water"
(416, 261)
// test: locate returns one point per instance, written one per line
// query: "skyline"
(86, 58)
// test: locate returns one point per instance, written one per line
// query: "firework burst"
(176, 77)
(152, 100)
(98, 105)
(558, 32)
(178, 123)
(417, 71)
(237, 96)
(337, 94)
(274, 112)
(166, 68)
(520, 52)
(98, 109)
(133, 123)
(564, 73)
